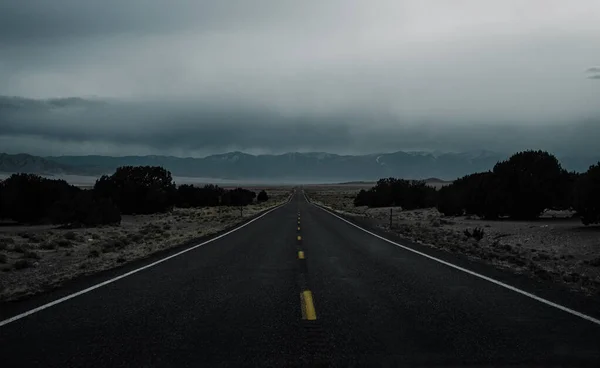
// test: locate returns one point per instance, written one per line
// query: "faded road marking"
(300, 254)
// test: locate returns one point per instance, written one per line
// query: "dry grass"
(38, 258)
(555, 247)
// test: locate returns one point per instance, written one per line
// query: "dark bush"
(23, 263)
(587, 196)
(527, 183)
(451, 201)
(398, 192)
(138, 189)
(28, 198)
(476, 234)
(191, 196)
(31, 254)
(262, 196)
(473, 194)
(238, 197)
(84, 210)
(32, 199)
(363, 198)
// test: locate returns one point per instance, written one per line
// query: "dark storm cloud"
(195, 77)
(37, 21)
(197, 129)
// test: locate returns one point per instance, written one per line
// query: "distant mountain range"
(32, 164)
(314, 166)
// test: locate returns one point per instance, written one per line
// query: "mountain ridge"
(290, 166)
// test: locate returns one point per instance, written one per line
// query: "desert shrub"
(137, 237)
(83, 209)
(28, 198)
(521, 187)
(64, 243)
(108, 246)
(450, 201)
(473, 194)
(565, 196)
(32, 199)
(398, 192)
(49, 245)
(20, 248)
(138, 189)
(31, 254)
(70, 235)
(527, 183)
(362, 198)
(191, 196)
(94, 253)
(22, 264)
(587, 196)
(238, 197)
(3, 258)
(6, 241)
(262, 196)
(476, 234)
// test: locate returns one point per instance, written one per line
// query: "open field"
(555, 247)
(38, 258)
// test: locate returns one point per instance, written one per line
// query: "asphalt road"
(250, 298)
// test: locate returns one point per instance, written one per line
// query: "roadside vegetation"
(520, 188)
(51, 231)
(527, 214)
(32, 199)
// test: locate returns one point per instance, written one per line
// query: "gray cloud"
(195, 77)
(78, 126)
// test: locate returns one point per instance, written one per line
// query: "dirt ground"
(555, 247)
(34, 259)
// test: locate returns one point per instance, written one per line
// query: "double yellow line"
(307, 304)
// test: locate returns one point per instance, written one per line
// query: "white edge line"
(486, 278)
(110, 281)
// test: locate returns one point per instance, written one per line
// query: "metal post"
(390, 218)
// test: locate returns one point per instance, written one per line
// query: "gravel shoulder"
(35, 259)
(555, 247)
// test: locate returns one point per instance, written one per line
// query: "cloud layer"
(195, 77)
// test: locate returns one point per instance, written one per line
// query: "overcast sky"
(199, 77)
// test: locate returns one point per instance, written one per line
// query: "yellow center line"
(307, 306)
(298, 228)
(299, 237)
(300, 254)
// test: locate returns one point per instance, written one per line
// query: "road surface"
(298, 287)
